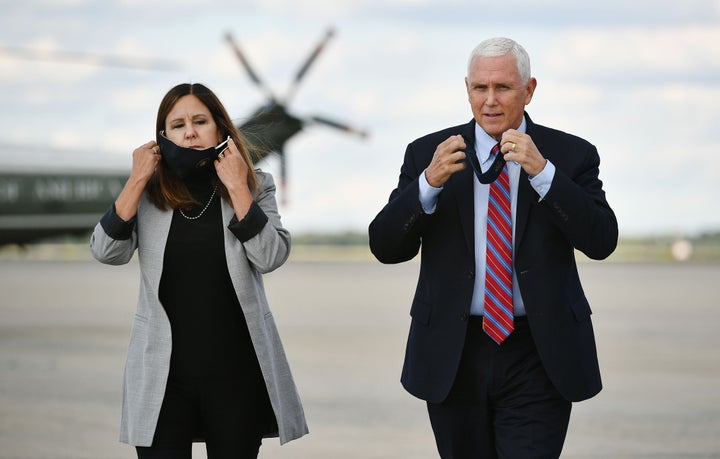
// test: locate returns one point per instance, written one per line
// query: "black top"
(209, 334)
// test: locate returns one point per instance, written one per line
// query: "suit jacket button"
(464, 317)
(471, 274)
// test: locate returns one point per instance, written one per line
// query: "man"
(501, 340)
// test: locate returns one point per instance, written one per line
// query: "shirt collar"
(484, 143)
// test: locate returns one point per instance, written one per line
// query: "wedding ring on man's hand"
(513, 147)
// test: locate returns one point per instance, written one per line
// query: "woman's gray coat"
(148, 359)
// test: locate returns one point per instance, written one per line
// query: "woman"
(205, 361)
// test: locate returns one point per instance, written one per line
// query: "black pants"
(230, 415)
(502, 404)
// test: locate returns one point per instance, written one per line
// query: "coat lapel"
(153, 238)
(462, 188)
(526, 194)
(464, 193)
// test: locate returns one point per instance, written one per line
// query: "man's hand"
(448, 158)
(520, 148)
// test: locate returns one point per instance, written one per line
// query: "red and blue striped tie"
(498, 322)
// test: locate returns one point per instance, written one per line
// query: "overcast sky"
(640, 80)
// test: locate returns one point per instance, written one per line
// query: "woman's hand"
(145, 160)
(232, 168)
(233, 171)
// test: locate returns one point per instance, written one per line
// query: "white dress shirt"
(540, 183)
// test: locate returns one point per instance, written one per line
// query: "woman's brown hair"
(165, 189)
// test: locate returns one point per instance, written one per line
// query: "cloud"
(640, 80)
(636, 54)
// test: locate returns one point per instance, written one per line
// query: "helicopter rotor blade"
(308, 62)
(246, 65)
(283, 178)
(341, 126)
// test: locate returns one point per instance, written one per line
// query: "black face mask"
(185, 162)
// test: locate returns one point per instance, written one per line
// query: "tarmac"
(64, 328)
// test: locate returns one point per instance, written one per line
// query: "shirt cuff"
(252, 223)
(428, 194)
(541, 182)
(116, 227)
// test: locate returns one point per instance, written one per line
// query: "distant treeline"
(361, 238)
(704, 247)
(345, 238)
(701, 248)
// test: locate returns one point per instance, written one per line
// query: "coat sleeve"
(396, 232)
(114, 240)
(577, 201)
(265, 240)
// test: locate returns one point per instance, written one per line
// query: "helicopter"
(39, 204)
(54, 193)
(271, 125)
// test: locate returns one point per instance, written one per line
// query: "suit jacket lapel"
(462, 188)
(154, 228)
(526, 194)
(463, 191)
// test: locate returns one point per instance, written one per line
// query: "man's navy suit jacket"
(574, 214)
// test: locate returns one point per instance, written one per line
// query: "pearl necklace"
(204, 208)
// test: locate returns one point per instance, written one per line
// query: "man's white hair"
(500, 46)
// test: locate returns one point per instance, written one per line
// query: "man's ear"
(530, 88)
